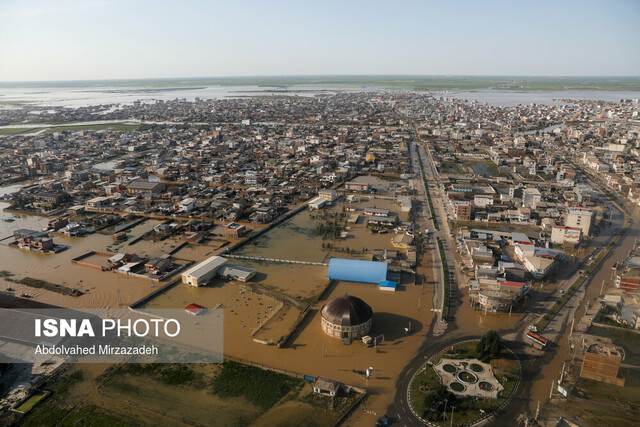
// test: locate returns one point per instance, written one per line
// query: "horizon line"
(322, 75)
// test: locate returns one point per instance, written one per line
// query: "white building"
(202, 273)
(317, 203)
(405, 203)
(482, 201)
(330, 195)
(187, 205)
(99, 202)
(581, 218)
(563, 234)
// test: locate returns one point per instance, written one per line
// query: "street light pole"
(444, 413)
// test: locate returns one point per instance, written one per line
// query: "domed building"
(346, 317)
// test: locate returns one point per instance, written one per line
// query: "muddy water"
(294, 413)
(278, 325)
(290, 279)
(312, 352)
(17, 221)
(294, 239)
(99, 288)
(243, 311)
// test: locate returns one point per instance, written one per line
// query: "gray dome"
(347, 310)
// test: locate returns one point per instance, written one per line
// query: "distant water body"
(507, 98)
(81, 94)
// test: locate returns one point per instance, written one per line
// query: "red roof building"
(195, 309)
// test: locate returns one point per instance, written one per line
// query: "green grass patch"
(94, 417)
(490, 168)
(262, 388)
(447, 285)
(15, 131)
(426, 189)
(115, 127)
(451, 167)
(31, 401)
(627, 396)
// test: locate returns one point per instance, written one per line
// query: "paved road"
(444, 233)
(429, 242)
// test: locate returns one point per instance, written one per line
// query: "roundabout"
(478, 382)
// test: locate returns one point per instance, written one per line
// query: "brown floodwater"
(100, 288)
(296, 239)
(311, 351)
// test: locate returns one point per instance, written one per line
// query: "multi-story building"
(581, 218)
(463, 211)
(530, 197)
(601, 363)
(563, 234)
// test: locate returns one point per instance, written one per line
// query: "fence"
(285, 261)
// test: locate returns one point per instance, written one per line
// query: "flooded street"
(99, 288)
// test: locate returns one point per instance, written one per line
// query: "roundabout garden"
(475, 378)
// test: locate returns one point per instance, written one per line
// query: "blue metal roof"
(355, 270)
(388, 284)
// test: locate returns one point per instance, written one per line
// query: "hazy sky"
(100, 39)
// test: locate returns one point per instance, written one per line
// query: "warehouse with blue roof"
(355, 270)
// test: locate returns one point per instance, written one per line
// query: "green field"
(231, 393)
(14, 131)
(31, 402)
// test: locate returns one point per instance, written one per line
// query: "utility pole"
(537, 411)
(561, 373)
(602, 288)
(572, 323)
(452, 409)
(551, 391)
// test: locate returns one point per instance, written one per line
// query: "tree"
(435, 401)
(480, 346)
(489, 346)
(495, 348)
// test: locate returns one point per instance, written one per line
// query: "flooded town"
(349, 238)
